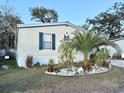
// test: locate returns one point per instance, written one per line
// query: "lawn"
(35, 79)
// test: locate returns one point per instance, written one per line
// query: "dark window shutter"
(53, 42)
(41, 40)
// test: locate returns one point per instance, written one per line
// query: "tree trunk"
(7, 48)
(86, 65)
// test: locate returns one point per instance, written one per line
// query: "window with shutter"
(46, 41)
(53, 42)
(40, 40)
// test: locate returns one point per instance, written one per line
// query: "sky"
(74, 11)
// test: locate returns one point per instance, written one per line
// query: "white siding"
(121, 45)
(28, 43)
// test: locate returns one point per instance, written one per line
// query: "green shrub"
(102, 56)
(11, 63)
(51, 62)
(106, 65)
(37, 64)
(92, 59)
(62, 63)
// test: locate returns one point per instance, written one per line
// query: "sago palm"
(86, 41)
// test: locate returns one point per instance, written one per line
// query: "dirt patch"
(79, 86)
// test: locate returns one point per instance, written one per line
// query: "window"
(46, 41)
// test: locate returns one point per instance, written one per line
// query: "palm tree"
(86, 41)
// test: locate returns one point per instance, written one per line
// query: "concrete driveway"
(118, 63)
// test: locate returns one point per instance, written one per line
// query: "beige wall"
(120, 43)
(28, 41)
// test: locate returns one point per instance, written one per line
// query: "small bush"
(51, 62)
(29, 62)
(92, 59)
(11, 63)
(50, 65)
(106, 65)
(37, 64)
(102, 56)
(62, 63)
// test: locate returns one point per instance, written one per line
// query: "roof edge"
(118, 39)
(49, 24)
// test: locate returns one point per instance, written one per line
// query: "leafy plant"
(102, 56)
(92, 58)
(51, 62)
(62, 63)
(37, 64)
(50, 65)
(44, 15)
(86, 41)
(11, 63)
(67, 53)
(109, 22)
(8, 26)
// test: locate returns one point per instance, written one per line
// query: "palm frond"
(87, 41)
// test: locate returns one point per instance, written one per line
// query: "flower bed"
(78, 71)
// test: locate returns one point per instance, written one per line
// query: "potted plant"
(50, 65)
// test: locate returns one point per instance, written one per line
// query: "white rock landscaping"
(78, 71)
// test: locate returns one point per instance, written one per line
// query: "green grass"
(21, 79)
(11, 63)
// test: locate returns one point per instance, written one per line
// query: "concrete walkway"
(118, 63)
